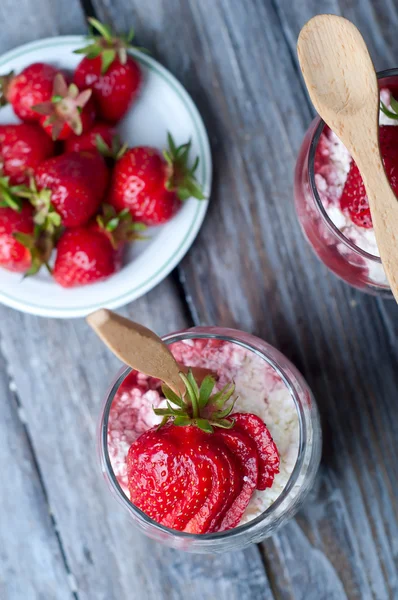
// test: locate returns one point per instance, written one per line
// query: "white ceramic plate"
(163, 106)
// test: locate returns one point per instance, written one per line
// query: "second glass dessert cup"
(354, 265)
(300, 479)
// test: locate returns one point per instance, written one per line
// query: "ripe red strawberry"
(24, 247)
(354, 200)
(267, 451)
(199, 469)
(84, 256)
(245, 451)
(14, 256)
(73, 184)
(113, 75)
(22, 148)
(69, 110)
(32, 86)
(153, 187)
(89, 139)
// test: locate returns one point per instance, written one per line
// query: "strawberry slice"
(245, 451)
(173, 473)
(233, 486)
(216, 467)
(354, 200)
(186, 439)
(267, 451)
(158, 475)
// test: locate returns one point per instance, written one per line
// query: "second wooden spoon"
(342, 83)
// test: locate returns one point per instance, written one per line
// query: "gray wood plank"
(238, 63)
(31, 564)
(61, 372)
(28, 20)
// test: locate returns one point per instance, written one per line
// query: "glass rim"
(311, 172)
(265, 515)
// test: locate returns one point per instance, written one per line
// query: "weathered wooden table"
(62, 536)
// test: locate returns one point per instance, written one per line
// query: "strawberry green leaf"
(192, 396)
(107, 57)
(91, 51)
(9, 194)
(205, 391)
(220, 414)
(394, 105)
(169, 412)
(5, 81)
(103, 29)
(193, 383)
(182, 421)
(172, 396)
(204, 425)
(223, 423)
(387, 111)
(171, 143)
(112, 224)
(163, 422)
(25, 239)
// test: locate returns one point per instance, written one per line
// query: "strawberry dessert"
(338, 188)
(214, 459)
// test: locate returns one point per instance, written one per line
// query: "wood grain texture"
(28, 20)
(31, 565)
(239, 64)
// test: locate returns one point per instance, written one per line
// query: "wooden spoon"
(342, 84)
(141, 349)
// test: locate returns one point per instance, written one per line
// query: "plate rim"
(196, 221)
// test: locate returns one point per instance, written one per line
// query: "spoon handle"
(384, 209)
(138, 347)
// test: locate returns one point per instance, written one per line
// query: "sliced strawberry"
(354, 200)
(245, 451)
(158, 474)
(218, 471)
(234, 484)
(187, 438)
(267, 451)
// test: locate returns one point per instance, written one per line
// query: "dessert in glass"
(227, 464)
(331, 201)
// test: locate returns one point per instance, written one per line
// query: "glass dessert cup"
(348, 261)
(298, 484)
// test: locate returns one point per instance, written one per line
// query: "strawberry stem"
(106, 44)
(181, 178)
(198, 406)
